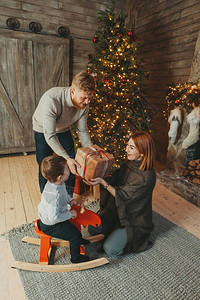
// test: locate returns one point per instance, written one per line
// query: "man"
(57, 110)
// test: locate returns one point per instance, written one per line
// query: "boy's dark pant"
(43, 150)
(65, 231)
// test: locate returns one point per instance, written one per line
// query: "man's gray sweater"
(55, 113)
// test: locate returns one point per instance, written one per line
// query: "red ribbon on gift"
(89, 154)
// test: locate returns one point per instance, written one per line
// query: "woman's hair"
(84, 81)
(145, 145)
(52, 167)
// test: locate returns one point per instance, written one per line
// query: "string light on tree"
(118, 107)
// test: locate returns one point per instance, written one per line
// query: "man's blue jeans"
(43, 150)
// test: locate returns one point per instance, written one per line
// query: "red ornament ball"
(95, 39)
(120, 35)
(130, 33)
(124, 80)
(177, 102)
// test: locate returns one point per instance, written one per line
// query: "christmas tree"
(118, 107)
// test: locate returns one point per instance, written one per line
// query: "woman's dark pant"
(43, 150)
(65, 231)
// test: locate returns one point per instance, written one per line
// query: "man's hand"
(74, 213)
(73, 164)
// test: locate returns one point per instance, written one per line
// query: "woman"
(126, 209)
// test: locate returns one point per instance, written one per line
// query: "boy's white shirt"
(54, 204)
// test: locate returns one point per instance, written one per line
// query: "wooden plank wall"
(168, 31)
(80, 16)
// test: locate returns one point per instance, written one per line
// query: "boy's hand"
(74, 213)
(73, 202)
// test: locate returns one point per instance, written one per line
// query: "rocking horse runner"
(59, 216)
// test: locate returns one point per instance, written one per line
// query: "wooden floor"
(19, 197)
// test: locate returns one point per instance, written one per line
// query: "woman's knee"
(115, 243)
(109, 249)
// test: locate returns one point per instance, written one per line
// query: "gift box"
(94, 161)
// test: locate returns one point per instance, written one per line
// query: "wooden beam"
(36, 241)
(95, 238)
(61, 243)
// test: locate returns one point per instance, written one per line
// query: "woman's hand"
(74, 213)
(97, 180)
(106, 185)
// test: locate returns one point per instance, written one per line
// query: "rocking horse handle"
(87, 218)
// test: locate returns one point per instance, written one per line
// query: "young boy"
(53, 210)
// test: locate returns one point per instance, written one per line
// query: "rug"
(169, 270)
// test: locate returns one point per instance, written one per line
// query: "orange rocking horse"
(46, 242)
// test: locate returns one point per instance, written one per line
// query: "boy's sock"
(80, 259)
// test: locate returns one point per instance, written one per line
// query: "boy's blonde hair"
(52, 167)
(145, 145)
(84, 81)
